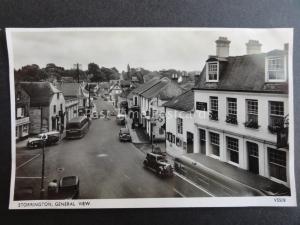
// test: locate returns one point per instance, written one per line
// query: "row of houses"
(236, 113)
(43, 106)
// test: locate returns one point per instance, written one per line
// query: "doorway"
(252, 149)
(190, 142)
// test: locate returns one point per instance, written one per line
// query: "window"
(213, 108)
(202, 135)
(233, 149)
(276, 118)
(252, 114)
(215, 143)
(25, 128)
(135, 101)
(277, 164)
(54, 109)
(61, 107)
(57, 95)
(231, 111)
(212, 71)
(179, 125)
(275, 69)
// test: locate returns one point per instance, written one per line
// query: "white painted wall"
(171, 126)
(262, 132)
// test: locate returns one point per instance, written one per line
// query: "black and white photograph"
(151, 117)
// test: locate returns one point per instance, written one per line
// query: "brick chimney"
(222, 47)
(253, 47)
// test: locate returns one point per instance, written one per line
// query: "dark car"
(68, 187)
(158, 164)
(50, 138)
(124, 134)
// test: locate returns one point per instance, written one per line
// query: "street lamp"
(42, 191)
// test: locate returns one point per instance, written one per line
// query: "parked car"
(51, 138)
(68, 187)
(158, 164)
(124, 134)
(121, 119)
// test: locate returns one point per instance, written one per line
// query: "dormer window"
(212, 71)
(275, 69)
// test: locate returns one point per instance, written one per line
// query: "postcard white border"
(151, 202)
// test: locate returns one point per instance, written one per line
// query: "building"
(76, 98)
(241, 105)
(114, 91)
(180, 124)
(150, 97)
(47, 107)
(22, 101)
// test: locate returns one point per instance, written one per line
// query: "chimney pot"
(253, 47)
(222, 47)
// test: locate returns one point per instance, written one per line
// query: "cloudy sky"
(153, 49)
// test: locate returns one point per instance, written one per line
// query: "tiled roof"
(40, 92)
(184, 102)
(165, 90)
(70, 89)
(243, 73)
(143, 87)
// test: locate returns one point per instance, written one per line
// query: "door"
(190, 142)
(252, 149)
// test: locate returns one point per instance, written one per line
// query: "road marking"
(102, 155)
(178, 192)
(23, 164)
(30, 177)
(195, 185)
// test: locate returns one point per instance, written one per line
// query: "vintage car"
(124, 134)
(121, 119)
(50, 138)
(158, 164)
(68, 187)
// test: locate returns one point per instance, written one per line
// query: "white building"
(47, 107)
(180, 124)
(241, 103)
(151, 96)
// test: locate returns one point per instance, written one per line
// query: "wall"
(171, 126)
(202, 117)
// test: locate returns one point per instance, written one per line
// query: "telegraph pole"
(77, 65)
(42, 190)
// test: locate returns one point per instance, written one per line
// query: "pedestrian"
(53, 187)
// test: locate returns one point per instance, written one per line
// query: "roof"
(70, 89)
(165, 90)
(183, 102)
(125, 93)
(40, 92)
(143, 87)
(243, 73)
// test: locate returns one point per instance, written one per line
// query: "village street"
(106, 167)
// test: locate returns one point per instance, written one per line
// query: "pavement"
(242, 176)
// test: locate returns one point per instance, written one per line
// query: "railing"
(276, 124)
(251, 124)
(231, 119)
(213, 115)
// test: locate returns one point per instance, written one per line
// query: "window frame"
(208, 71)
(267, 70)
(214, 106)
(230, 149)
(214, 143)
(179, 125)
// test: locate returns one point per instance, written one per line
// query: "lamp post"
(42, 191)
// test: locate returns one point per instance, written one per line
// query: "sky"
(152, 49)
